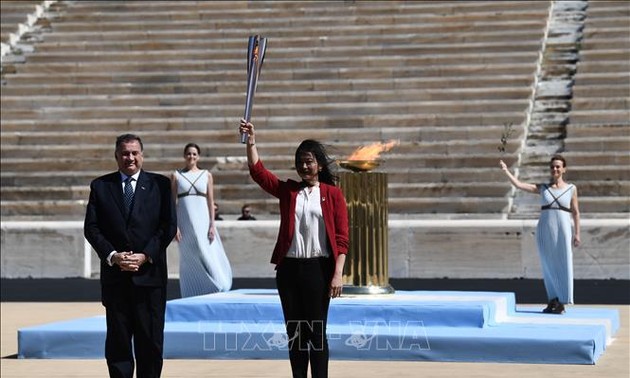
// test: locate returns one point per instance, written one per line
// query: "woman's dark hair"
(192, 145)
(323, 160)
(559, 158)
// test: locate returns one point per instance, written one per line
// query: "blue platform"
(407, 325)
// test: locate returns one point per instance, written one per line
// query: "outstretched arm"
(252, 152)
(516, 182)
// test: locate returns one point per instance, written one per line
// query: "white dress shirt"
(134, 180)
(309, 237)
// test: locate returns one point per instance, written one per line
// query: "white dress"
(203, 266)
(554, 238)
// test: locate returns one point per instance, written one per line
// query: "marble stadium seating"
(442, 77)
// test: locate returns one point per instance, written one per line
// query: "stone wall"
(417, 249)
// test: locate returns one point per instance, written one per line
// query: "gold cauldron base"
(367, 290)
(366, 268)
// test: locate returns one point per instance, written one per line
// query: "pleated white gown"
(554, 238)
(203, 265)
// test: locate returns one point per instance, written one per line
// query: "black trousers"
(134, 313)
(303, 286)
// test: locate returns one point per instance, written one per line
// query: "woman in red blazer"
(310, 251)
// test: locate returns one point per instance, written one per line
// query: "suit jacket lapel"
(141, 192)
(323, 194)
(115, 187)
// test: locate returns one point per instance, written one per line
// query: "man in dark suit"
(130, 220)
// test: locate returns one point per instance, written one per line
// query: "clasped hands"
(129, 261)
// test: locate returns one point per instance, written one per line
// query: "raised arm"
(516, 182)
(252, 152)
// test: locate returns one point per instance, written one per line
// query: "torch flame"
(372, 151)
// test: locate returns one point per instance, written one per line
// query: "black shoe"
(551, 306)
(559, 309)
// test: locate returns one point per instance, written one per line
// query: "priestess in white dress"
(203, 264)
(555, 238)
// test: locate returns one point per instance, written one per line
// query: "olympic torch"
(255, 56)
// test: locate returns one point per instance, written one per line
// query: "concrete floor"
(15, 315)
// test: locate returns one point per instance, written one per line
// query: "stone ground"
(15, 315)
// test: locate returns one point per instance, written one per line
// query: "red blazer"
(333, 205)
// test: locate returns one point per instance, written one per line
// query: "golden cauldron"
(366, 269)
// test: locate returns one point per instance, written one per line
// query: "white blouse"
(309, 236)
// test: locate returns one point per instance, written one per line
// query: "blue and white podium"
(407, 325)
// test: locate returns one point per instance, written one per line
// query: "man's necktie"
(128, 195)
